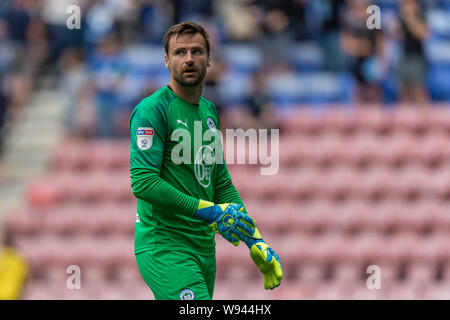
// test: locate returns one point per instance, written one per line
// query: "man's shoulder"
(209, 105)
(160, 99)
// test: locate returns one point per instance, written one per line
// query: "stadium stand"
(329, 226)
(358, 185)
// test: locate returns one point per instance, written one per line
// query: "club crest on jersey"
(144, 138)
(187, 294)
(211, 124)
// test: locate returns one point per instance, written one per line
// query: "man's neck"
(190, 94)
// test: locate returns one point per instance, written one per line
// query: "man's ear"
(166, 60)
(208, 61)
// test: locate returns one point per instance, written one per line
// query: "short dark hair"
(185, 28)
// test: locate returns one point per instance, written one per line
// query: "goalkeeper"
(181, 204)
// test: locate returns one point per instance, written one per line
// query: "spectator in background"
(38, 48)
(212, 82)
(412, 67)
(329, 37)
(296, 11)
(55, 17)
(75, 83)
(275, 40)
(3, 110)
(241, 19)
(259, 105)
(155, 18)
(13, 270)
(18, 18)
(107, 70)
(364, 47)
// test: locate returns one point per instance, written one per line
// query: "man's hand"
(226, 219)
(265, 259)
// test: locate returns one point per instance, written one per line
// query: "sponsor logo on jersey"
(144, 138)
(187, 294)
(183, 123)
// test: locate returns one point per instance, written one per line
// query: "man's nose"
(189, 59)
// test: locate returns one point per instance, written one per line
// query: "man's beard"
(190, 82)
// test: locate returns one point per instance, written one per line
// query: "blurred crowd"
(104, 68)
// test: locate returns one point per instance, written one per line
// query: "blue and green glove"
(265, 259)
(227, 219)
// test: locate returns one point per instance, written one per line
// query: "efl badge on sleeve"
(144, 138)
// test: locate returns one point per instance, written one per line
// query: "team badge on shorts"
(211, 124)
(144, 138)
(187, 294)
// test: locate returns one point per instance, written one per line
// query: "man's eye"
(178, 52)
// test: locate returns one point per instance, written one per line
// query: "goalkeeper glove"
(227, 219)
(265, 259)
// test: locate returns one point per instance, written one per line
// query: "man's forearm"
(149, 186)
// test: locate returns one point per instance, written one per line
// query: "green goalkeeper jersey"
(171, 169)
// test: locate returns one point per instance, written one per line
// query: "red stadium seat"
(394, 149)
(361, 291)
(335, 290)
(339, 119)
(438, 183)
(326, 149)
(399, 247)
(431, 148)
(303, 182)
(345, 271)
(432, 248)
(439, 118)
(302, 120)
(438, 291)
(422, 272)
(373, 119)
(71, 155)
(43, 192)
(414, 120)
(339, 182)
(405, 291)
(375, 182)
(296, 149)
(361, 148)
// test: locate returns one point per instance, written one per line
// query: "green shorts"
(178, 275)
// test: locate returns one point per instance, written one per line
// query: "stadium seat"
(327, 149)
(408, 181)
(304, 182)
(339, 182)
(361, 148)
(409, 119)
(432, 248)
(242, 58)
(307, 56)
(302, 120)
(339, 119)
(373, 119)
(422, 272)
(376, 182)
(438, 291)
(71, 154)
(405, 291)
(335, 290)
